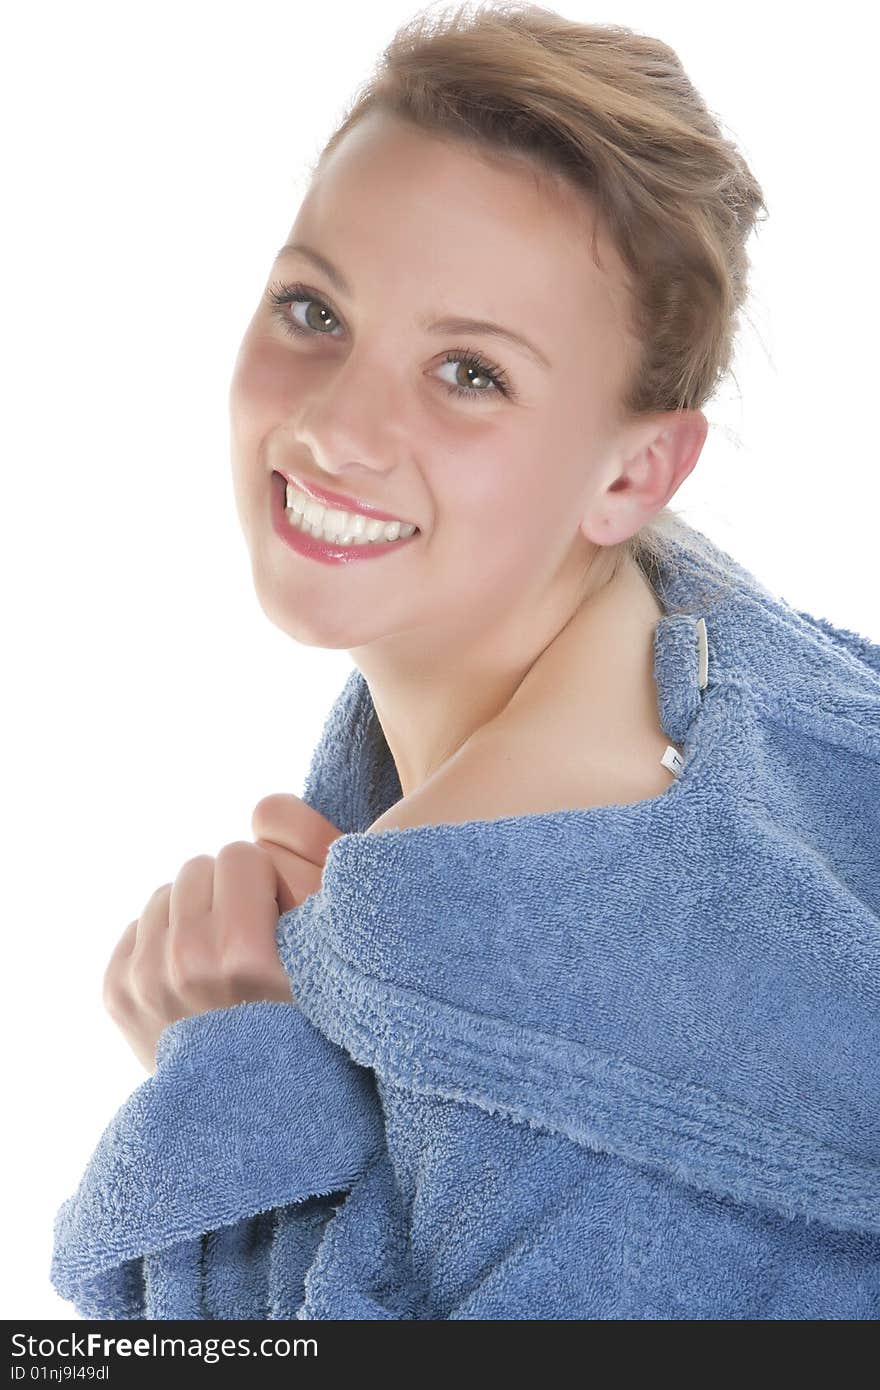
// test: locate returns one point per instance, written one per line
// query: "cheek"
(482, 473)
(507, 483)
(261, 385)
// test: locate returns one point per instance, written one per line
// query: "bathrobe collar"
(691, 982)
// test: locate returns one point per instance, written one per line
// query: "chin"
(304, 624)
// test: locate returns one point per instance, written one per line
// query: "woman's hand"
(207, 941)
(297, 839)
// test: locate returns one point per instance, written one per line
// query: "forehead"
(395, 202)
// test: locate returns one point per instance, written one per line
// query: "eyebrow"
(450, 324)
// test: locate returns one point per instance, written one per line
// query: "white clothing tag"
(673, 760)
(703, 654)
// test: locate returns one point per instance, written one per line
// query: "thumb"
(296, 878)
(286, 820)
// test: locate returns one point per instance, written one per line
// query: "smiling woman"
(584, 986)
(499, 462)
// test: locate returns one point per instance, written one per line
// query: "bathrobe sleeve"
(231, 1156)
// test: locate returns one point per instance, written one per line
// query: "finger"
(192, 891)
(152, 923)
(193, 947)
(116, 973)
(147, 965)
(125, 944)
(288, 821)
(297, 878)
(245, 886)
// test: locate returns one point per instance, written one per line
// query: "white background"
(152, 166)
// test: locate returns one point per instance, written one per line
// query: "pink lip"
(325, 551)
(338, 499)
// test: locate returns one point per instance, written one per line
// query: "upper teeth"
(348, 528)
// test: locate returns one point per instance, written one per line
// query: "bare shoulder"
(524, 768)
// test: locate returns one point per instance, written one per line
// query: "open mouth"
(335, 525)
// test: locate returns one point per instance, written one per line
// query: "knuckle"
(263, 811)
(241, 967)
(148, 985)
(143, 991)
(196, 862)
(237, 849)
(238, 961)
(280, 813)
(154, 999)
(192, 970)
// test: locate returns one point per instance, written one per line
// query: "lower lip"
(326, 551)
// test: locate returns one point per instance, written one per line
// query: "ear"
(644, 472)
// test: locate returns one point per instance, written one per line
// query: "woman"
(571, 1008)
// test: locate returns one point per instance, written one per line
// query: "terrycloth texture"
(618, 1062)
(249, 1109)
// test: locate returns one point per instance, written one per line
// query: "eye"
(473, 362)
(314, 322)
(281, 296)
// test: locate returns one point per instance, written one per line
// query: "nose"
(349, 422)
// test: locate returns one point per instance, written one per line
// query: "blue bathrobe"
(611, 1062)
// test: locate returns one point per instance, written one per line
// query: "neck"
(433, 699)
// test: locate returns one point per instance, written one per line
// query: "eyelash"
(280, 295)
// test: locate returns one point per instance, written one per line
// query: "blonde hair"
(615, 113)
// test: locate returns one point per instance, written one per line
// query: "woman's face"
(362, 400)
